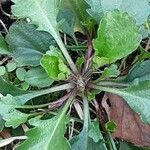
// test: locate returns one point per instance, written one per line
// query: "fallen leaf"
(129, 125)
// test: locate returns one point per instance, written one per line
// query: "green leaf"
(7, 88)
(55, 67)
(137, 96)
(94, 132)
(139, 9)
(21, 73)
(2, 123)
(11, 66)
(139, 72)
(95, 9)
(25, 86)
(27, 57)
(144, 55)
(24, 96)
(111, 126)
(38, 77)
(27, 44)
(117, 36)
(43, 13)
(68, 22)
(112, 71)
(54, 51)
(46, 19)
(14, 122)
(83, 141)
(3, 46)
(99, 62)
(9, 113)
(79, 62)
(26, 36)
(2, 70)
(79, 9)
(144, 31)
(47, 134)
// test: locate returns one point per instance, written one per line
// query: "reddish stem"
(88, 55)
(60, 102)
(101, 114)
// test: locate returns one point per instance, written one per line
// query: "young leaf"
(117, 36)
(132, 7)
(112, 71)
(21, 73)
(55, 67)
(47, 134)
(11, 66)
(137, 96)
(111, 126)
(9, 113)
(38, 77)
(54, 51)
(25, 86)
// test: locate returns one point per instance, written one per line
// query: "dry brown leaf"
(129, 125)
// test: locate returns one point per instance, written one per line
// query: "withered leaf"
(129, 125)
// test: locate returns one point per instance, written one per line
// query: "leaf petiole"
(26, 97)
(51, 105)
(80, 47)
(109, 83)
(66, 54)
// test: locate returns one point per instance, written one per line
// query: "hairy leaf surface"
(25, 35)
(27, 44)
(9, 113)
(47, 134)
(43, 13)
(38, 77)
